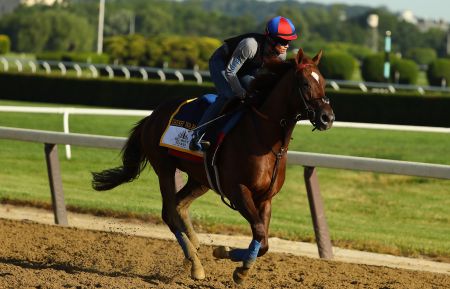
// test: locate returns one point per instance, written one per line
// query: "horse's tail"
(133, 162)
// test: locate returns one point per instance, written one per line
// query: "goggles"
(280, 41)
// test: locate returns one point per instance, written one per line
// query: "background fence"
(144, 72)
(67, 111)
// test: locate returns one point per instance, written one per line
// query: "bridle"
(310, 113)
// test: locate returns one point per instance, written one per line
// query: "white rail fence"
(67, 111)
(308, 160)
(144, 72)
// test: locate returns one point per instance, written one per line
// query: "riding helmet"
(281, 27)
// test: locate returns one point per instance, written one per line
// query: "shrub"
(372, 68)
(5, 44)
(337, 65)
(407, 70)
(422, 56)
(438, 70)
(90, 57)
(116, 47)
(177, 51)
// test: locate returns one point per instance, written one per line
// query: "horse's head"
(314, 105)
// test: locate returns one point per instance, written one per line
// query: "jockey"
(234, 65)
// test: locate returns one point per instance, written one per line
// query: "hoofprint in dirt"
(44, 256)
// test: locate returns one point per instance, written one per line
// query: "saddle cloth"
(184, 120)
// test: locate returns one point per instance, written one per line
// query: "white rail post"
(5, 64)
(66, 130)
(334, 85)
(78, 70)
(362, 87)
(93, 70)
(179, 75)
(144, 74)
(161, 75)
(110, 71)
(126, 72)
(32, 66)
(19, 65)
(47, 67)
(197, 75)
(62, 68)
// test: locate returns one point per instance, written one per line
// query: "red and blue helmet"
(281, 27)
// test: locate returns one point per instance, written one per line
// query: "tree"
(69, 32)
(26, 34)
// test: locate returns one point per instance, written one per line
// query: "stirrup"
(204, 144)
(200, 145)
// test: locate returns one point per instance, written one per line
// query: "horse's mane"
(268, 77)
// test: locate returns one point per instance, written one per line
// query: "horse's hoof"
(222, 252)
(239, 274)
(197, 273)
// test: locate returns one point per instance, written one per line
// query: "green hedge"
(135, 94)
(5, 44)
(422, 56)
(408, 108)
(89, 57)
(337, 65)
(407, 70)
(373, 66)
(401, 108)
(438, 70)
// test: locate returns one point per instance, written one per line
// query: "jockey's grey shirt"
(246, 49)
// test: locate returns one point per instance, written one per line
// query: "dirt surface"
(43, 256)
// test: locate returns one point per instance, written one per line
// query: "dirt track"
(43, 256)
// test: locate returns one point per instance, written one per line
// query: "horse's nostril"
(324, 118)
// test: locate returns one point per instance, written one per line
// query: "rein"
(278, 155)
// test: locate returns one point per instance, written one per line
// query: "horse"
(252, 158)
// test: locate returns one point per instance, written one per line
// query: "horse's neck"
(277, 107)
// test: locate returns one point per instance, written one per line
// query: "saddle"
(184, 120)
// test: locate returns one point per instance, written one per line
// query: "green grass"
(377, 212)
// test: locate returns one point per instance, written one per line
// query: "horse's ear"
(317, 58)
(299, 57)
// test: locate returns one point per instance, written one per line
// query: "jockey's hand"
(242, 96)
(245, 96)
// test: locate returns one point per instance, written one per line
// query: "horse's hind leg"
(191, 191)
(175, 222)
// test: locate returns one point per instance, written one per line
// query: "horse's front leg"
(259, 220)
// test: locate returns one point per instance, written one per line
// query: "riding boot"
(197, 143)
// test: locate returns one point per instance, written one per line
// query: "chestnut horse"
(251, 159)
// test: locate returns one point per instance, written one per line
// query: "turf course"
(377, 212)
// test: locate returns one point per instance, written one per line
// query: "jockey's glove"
(242, 95)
